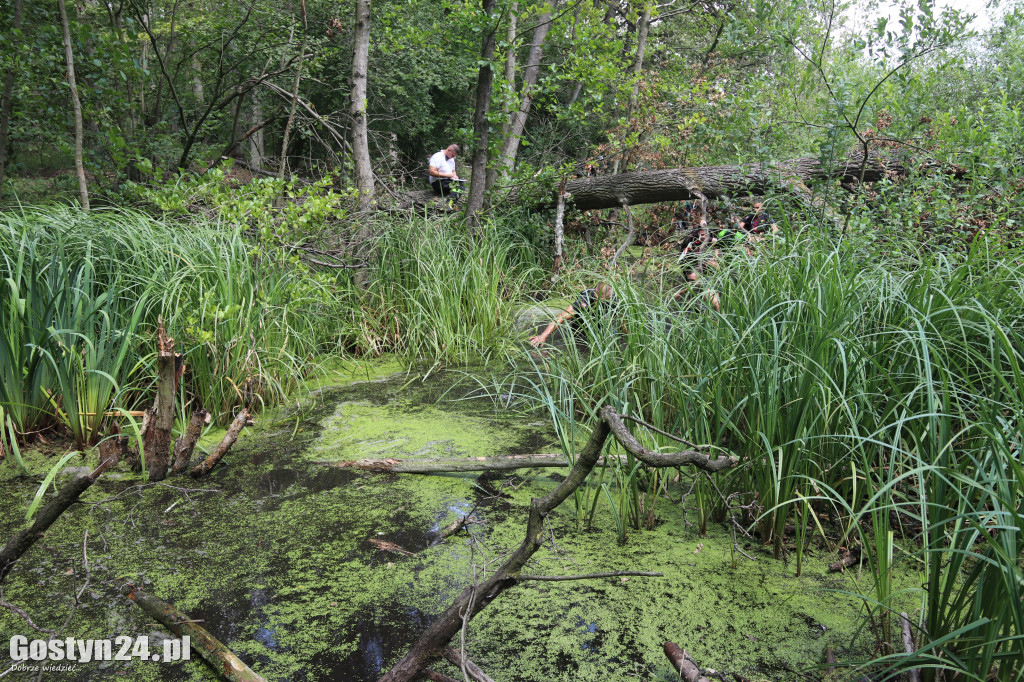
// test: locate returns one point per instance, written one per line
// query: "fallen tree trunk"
(23, 540)
(222, 448)
(683, 663)
(221, 658)
(713, 182)
(454, 465)
(476, 597)
(471, 669)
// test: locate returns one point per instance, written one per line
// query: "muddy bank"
(274, 554)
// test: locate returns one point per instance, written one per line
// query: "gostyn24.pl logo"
(121, 648)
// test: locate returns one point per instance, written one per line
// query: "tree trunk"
(283, 168)
(23, 540)
(634, 127)
(221, 658)
(157, 438)
(360, 139)
(476, 597)
(510, 84)
(76, 104)
(5, 102)
(484, 83)
(713, 182)
(206, 466)
(186, 443)
(257, 156)
(517, 122)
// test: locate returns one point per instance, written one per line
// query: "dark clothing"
(756, 222)
(446, 186)
(589, 310)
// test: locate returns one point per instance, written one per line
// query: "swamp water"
(273, 553)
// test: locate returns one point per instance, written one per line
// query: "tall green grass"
(878, 390)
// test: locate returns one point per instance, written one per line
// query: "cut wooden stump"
(156, 439)
(206, 466)
(221, 658)
(23, 540)
(453, 528)
(683, 663)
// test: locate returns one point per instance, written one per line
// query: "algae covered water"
(287, 562)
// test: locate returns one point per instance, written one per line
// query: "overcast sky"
(983, 21)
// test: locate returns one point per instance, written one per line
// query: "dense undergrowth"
(871, 385)
(873, 396)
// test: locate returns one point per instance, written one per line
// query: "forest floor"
(281, 557)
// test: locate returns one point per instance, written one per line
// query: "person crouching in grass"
(591, 303)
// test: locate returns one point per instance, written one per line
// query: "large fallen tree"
(712, 182)
(478, 595)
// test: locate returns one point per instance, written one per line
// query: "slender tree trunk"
(642, 29)
(360, 141)
(69, 58)
(484, 84)
(517, 122)
(5, 103)
(282, 169)
(510, 84)
(256, 152)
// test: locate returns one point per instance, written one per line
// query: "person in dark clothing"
(599, 300)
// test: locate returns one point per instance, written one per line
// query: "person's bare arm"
(438, 174)
(559, 319)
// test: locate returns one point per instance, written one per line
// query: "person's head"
(603, 291)
(452, 151)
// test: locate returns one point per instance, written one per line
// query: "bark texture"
(684, 665)
(23, 540)
(484, 85)
(360, 139)
(517, 121)
(221, 658)
(712, 182)
(206, 466)
(157, 438)
(76, 104)
(476, 597)
(186, 443)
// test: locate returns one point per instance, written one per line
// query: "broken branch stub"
(683, 663)
(157, 437)
(186, 443)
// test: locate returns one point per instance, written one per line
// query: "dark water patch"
(385, 632)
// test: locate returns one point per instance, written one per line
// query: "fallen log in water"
(477, 596)
(221, 658)
(455, 465)
(435, 676)
(23, 540)
(218, 453)
(683, 663)
(456, 658)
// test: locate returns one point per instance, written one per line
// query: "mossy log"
(23, 540)
(715, 182)
(221, 658)
(474, 598)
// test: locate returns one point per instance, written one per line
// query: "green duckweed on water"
(273, 553)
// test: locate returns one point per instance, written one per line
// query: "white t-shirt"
(442, 163)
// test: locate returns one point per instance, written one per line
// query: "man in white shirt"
(441, 174)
